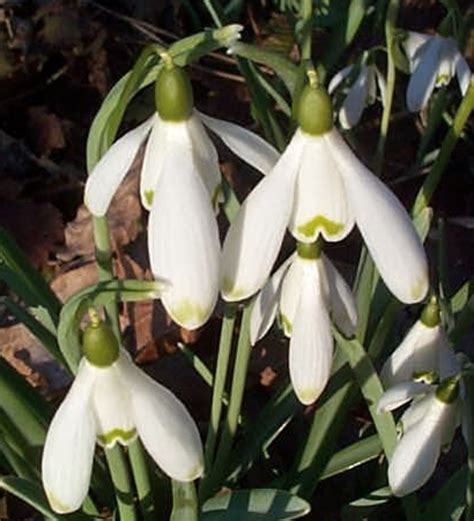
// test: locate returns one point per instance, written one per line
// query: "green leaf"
(259, 436)
(448, 503)
(33, 494)
(23, 279)
(254, 505)
(285, 69)
(22, 405)
(352, 456)
(97, 295)
(37, 329)
(362, 507)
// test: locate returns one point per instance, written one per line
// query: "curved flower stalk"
(180, 186)
(427, 426)
(319, 187)
(111, 401)
(361, 93)
(433, 60)
(425, 349)
(306, 291)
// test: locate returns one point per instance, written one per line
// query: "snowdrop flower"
(111, 401)
(180, 186)
(433, 61)
(305, 291)
(428, 425)
(361, 93)
(319, 187)
(425, 348)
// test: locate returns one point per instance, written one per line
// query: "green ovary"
(309, 228)
(109, 438)
(187, 312)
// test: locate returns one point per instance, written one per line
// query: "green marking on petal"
(320, 222)
(286, 324)
(110, 438)
(187, 312)
(148, 194)
(56, 505)
(418, 290)
(442, 79)
(195, 472)
(307, 396)
(229, 290)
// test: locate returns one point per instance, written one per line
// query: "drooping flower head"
(434, 60)
(112, 401)
(306, 292)
(362, 92)
(319, 187)
(180, 186)
(427, 426)
(425, 349)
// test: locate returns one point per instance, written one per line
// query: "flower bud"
(99, 344)
(173, 94)
(430, 315)
(314, 111)
(448, 390)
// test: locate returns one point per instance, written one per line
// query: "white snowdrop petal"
(448, 364)
(249, 146)
(153, 160)
(384, 224)
(356, 99)
(463, 72)
(382, 85)
(400, 394)
(255, 236)
(424, 76)
(111, 405)
(338, 78)
(311, 343)
(418, 352)
(321, 204)
(183, 241)
(266, 304)
(69, 446)
(413, 45)
(341, 300)
(416, 454)
(109, 172)
(290, 295)
(205, 155)
(418, 409)
(164, 425)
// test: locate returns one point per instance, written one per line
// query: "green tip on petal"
(187, 313)
(286, 324)
(427, 377)
(310, 251)
(314, 111)
(174, 95)
(56, 505)
(148, 194)
(448, 390)
(99, 343)
(430, 315)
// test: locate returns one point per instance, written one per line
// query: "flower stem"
(225, 345)
(431, 183)
(390, 23)
(307, 28)
(468, 419)
(122, 483)
(142, 479)
(103, 256)
(185, 504)
(235, 402)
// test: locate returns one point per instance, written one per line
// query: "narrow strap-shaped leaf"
(254, 505)
(23, 279)
(33, 494)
